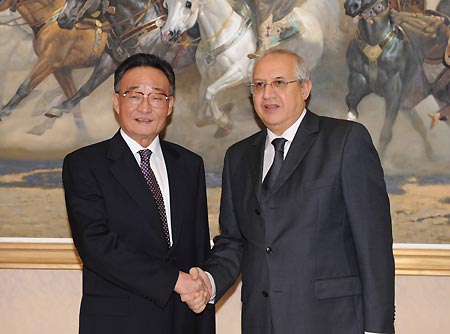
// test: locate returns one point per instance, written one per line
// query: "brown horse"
(58, 50)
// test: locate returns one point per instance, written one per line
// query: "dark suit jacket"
(317, 256)
(128, 270)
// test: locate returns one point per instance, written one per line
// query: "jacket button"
(257, 212)
(269, 250)
(265, 294)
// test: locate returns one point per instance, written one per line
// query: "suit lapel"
(255, 158)
(127, 172)
(304, 138)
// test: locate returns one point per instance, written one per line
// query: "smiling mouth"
(143, 120)
(270, 106)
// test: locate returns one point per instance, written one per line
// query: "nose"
(268, 91)
(64, 22)
(62, 19)
(171, 36)
(352, 8)
(144, 106)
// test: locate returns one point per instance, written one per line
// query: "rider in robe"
(264, 14)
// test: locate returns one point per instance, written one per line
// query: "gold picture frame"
(60, 254)
(406, 161)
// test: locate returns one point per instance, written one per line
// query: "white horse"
(227, 38)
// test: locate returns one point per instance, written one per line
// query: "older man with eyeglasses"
(137, 209)
(304, 217)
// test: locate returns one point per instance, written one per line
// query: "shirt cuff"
(213, 288)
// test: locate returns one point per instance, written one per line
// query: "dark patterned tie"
(272, 174)
(154, 188)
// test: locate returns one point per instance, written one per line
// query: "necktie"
(154, 188)
(269, 180)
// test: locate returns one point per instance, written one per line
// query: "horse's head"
(181, 16)
(75, 10)
(367, 8)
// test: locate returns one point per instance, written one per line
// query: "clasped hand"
(194, 289)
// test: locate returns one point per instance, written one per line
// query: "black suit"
(129, 272)
(317, 257)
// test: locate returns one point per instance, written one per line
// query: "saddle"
(272, 33)
(430, 25)
(286, 28)
(426, 24)
(416, 6)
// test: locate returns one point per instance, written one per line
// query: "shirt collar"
(155, 146)
(290, 132)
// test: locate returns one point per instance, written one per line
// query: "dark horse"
(134, 27)
(385, 60)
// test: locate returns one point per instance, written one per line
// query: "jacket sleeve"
(368, 208)
(225, 262)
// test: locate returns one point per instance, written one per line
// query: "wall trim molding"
(422, 261)
(39, 255)
(30, 253)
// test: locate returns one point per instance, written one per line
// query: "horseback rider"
(264, 14)
(428, 23)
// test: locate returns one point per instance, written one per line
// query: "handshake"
(195, 289)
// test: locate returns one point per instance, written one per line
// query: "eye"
(188, 4)
(134, 95)
(259, 85)
(157, 97)
(278, 83)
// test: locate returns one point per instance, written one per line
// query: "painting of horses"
(378, 62)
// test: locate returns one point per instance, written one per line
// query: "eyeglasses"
(156, 100)
(258, 87)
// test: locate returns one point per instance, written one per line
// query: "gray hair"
(301, 70)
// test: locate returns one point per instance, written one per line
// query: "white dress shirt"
(158, 166)
(269, 151)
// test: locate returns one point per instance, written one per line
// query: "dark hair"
(144, 60)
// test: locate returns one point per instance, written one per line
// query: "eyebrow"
(135, 88)
(277, 78)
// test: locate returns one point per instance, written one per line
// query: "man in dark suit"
(139, 217)
(304, 218)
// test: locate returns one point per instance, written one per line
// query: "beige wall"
(39, 301)
(46, 301)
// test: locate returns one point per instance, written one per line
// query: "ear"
(170, 107)
(306, 89)
(116, 104)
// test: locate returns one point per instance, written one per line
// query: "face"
(279, 108)
(143, 122)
